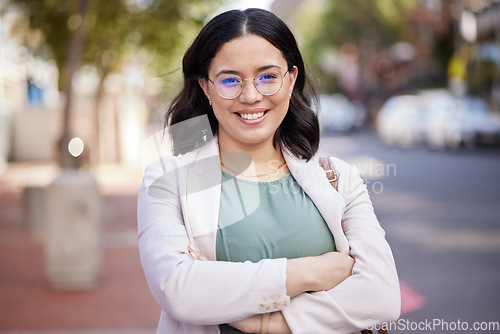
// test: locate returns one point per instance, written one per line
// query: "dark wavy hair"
(299, 131)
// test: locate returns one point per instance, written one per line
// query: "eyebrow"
(260, 69)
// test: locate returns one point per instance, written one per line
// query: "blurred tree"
(105, 33)
(370, 25)
(398, 45)
(113, 30)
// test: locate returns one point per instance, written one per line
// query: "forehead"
(247, 54)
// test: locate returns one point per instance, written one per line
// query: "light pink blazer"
(178, 205)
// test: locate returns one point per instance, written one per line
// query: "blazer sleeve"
(195, 292)
(371, 294)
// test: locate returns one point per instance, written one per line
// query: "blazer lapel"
(311, 177)
(202, 198)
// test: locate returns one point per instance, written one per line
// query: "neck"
(252, 160)
(258, 153)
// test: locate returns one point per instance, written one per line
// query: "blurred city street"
(440, 211)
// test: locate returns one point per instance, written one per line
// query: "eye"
(268, 77)
(229, 81)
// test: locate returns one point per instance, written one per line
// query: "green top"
(260, 220)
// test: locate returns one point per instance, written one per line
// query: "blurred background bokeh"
(409, 91)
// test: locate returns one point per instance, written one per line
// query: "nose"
(249, 93)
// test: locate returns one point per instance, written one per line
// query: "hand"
(248, 325)
(277, 324)
(317, 273)
(195, 254)
(330, 269)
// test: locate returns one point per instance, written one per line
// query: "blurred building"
(28, 85)
(478, 35)
(31, 107)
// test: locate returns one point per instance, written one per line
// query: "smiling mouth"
(252, 116)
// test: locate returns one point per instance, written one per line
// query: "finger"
(195, 254)
(192, 253)
(201, 257)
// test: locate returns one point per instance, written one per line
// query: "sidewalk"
(122, 304)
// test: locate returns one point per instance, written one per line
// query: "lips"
(252, 115)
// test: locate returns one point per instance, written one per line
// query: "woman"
(241, 231)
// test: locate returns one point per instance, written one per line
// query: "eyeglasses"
(230, 86)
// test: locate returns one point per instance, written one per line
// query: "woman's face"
(250, 120)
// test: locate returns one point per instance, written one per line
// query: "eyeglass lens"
(267, 83)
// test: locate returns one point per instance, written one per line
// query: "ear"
(204, 85)
(293, 77)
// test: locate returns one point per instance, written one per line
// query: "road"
(441, 212)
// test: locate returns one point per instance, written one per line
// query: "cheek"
(216, 112)
(282, 101)
(221, 108)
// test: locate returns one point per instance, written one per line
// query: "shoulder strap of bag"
(331, 174)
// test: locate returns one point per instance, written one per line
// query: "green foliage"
(157, 31)
(369, 24)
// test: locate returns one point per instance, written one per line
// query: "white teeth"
(252, 116)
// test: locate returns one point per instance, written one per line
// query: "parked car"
(458, 121)
(478, 125)
(438, 119)
(400, 121)
(442, 128)
(337, 113)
